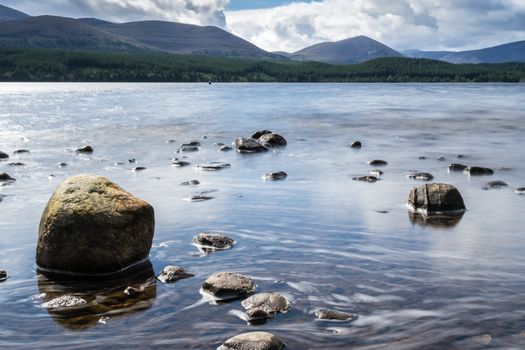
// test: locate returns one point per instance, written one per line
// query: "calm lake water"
(318, 237)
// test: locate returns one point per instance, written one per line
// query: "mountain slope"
(9, 14)
(511, 52)
(353, 50)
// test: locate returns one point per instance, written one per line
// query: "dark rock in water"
(139, 168)
(228, 285)
(62, 164)
(520, 190)
(376, 172)
(476, 170)
(272, 140)
(272, 303)
(219, 144)
(3, 275)
(6, 178)
(253, 341)
(225, 148)
(4, 155)
(333, 315)
(16, 164)
(213, 166)
(377, 162)
(250, 145)
(189, 149)
(356, 144)
(494, 184)
(85, 149)
(132, 160)
(199, 198)
(436, 197)
(280, 175)
(179, 163)
(131, 291)
(457, 167)
(368, 178)
(213, 240)
(461, 156)
(421, 176)
(442, 159)
(191, 144)
(92, 226)
(191, 183)
(21, 151)
(422, 158)
(171, 141)
(172, 274)
(260, 133)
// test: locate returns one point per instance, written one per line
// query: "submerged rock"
(213, 240)
(21, 151)
(476, 170)
(199, 198)
(260, 133)
(189, 149)
(442, 159)
(367, 178)
(377, 162)
(421, 176)
(172, 274)
(228, 285)
(3, 275)
(249, 145)
(191, 144)
(92, 226)
(436, 197)
(179, 163)
(422, 158)
(191, 183)
(3, 155)
(356, 144)
(494, 184)
(65, 304)
(213, 166)
(253, 341)
(333, 315)
(86, 149)
(376, 172)
(280, 175)
(457, 167)
(139, 168)
(16, 164)
(271, 303)
(272, 140)
(225, 148)
(6, 178)
(62, 164)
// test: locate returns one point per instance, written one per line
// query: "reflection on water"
(436, 220)
(321, 239)
(104, 298)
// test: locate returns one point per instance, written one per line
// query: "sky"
(280, 25)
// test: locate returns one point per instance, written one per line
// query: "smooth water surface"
(318, 237)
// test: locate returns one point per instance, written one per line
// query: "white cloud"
(401, 24)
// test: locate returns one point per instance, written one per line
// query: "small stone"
(3, 275)
(280, 175)
(260, 133)
(270, 302)
(421, 176)
(16, 164)
(132, 160)
(457, 167)
(368, 178)
(494, 184)
(199, 198)
(64, 301)
(333, 315)
(219, 144)
(442, 159)
(213, 240)
(228, 285)
(139, 168)
(520, 190)
(376, 172)
(422, 158)
(85, 149)
(214, 166)
(4, 155)
(131, 291)
(62, 164)
(179, 163)
(172, 274)
(191, 183)
(461, 156)
(191, 144)
(249, 145)
(6, 178)
(356, 144)
(171, 141)
(475, 170)
(253, 341)
(189, 149)
(21, 151)
(225, 148)
(272, 140)
(377, 162)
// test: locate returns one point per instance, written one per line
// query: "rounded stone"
(213, 240)
(3, 275)
(4, 177)
(457, 167)
(476, 170)
(92, 226)
(421, 176)
(253, 341)
(520, 190)
(249, 145)
(377, 162)
(436, 197)
(333, 315)
(368, 178)
(172, 274)
(4, 155)
(86, 149)
(356, 144)
(279, 175)
(270, 302)
(228, 285)
(272, 140)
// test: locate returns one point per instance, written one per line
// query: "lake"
(317, 237)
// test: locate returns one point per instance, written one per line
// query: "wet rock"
(191, 183)
(422, 158)
(62, 164)
(280, 175)
(442, 159)
(131, 291)
(520, 190)
(421, 176)
(3, 275)
(368, 178)
(257, 316)
(86, 150)
(253, 341)
(6, 178)
(132, 160)
(260, 133)
(228, 285)
(219, 144)
(356, 144)
(171, 141)
(139, 168)
(92, 226)
(335, 315)
(271, 303)
(2, 196)
(3, 155)
(199, 198)
(377, 162)
(16, 164)
(461, 156)
(225, 148)
(272, 140)
(376, 172)
(249, 145)
(436, 197)
(476, 170)
(213, 240)
(65, 304)
(457, 167)
(191, 144)
(21, 151)
(213, 166)
(179, 163)
(189, 149)
(172, 274)
(494, 184)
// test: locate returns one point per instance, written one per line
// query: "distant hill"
(511, 52)
(349, 51)
(9, 14)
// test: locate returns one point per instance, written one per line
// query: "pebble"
(85, 149)
(188, 149)
(139, 168)
(376, 172)
(179, 163)
(191, 144)
(6, 178)
(191, 183)
(3, 275)
(21, 151)
(225, 148)
(214, 166)
(356, 144)
(16, 164)
(4, 155)
(520, 190)
(377, 162)
(199, 198)
(333, 315)
(280, 175)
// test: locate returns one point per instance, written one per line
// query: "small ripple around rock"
(333, 315)
(253, 341)
(172, 274)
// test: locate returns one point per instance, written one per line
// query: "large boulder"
(92, 226)
(436, 197)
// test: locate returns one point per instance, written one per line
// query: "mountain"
(511, 52)
(353, 50)
(9, 14)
